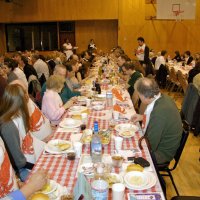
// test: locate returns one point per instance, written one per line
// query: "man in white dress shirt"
(161, 70)
(160, 60)
(40, 66)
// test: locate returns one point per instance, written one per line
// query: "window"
(41, 36)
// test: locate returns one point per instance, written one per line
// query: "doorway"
(67, 31)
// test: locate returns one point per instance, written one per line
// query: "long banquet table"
(63, 171)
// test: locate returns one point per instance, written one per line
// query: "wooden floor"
(187, 173)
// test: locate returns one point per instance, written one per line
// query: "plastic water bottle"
(96, 146)
(109, 99)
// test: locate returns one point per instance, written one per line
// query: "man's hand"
(137, 118)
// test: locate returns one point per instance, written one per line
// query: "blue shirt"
(16, 195)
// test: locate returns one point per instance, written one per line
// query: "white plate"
(61, 190)
(151, 181)
(95, 103)
(87, 169)
(135, 179)
(82, 98)
(98, 107)
(117, 176)
(77, 108)
(53, 187)
(126, 134)
(70, 123)
(100, 95)
(126, 127)
(51, 146)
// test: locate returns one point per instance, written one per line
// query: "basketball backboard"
(176, 9)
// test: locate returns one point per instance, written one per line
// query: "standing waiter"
(142, 53)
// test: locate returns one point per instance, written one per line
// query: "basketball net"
(177, 14)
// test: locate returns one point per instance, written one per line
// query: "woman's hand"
(68, 104)
(35, 183)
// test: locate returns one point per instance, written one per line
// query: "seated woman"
(52, 105)
(8, 68)
(76, 83)
(129, 69)
(9, 187)
(39, 125)
(23, 148)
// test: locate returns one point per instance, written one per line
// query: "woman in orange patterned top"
(15, 130)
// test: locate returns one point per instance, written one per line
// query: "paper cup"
(84, 117)
(118, 143)
(78, 148)
(115, 115)
(88, 102)
(118, 191)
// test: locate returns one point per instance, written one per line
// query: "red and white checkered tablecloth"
(63, 171)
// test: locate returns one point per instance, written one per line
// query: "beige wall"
(159, 34)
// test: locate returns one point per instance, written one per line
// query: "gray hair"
(147, 87)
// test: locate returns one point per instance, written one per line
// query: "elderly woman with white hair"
(52, 105)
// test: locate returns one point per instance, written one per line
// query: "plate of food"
(58, 146)
(126, 130)
(81, 98)
(96, 103)
(113, 178)
(77, 108)
(70, 123)
(126, 134)
(98, 107)
(135, 179)
(48, 188)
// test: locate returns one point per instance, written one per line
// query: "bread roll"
(39, 196)
(134, 167)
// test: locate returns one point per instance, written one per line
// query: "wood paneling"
(104, 33)
(159, 34)
(57, 10)
(2, 39)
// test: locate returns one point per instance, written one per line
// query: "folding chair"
(165, 166)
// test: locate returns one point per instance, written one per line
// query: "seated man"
(66, 93)
(161, 120)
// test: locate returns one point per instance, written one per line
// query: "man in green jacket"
(66, 93)
(162, 123)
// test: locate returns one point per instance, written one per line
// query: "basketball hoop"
(176, 10)
(177, 14)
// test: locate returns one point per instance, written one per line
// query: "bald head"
(60, 70)
(147, 87)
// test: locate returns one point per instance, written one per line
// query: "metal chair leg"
(172, 179)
